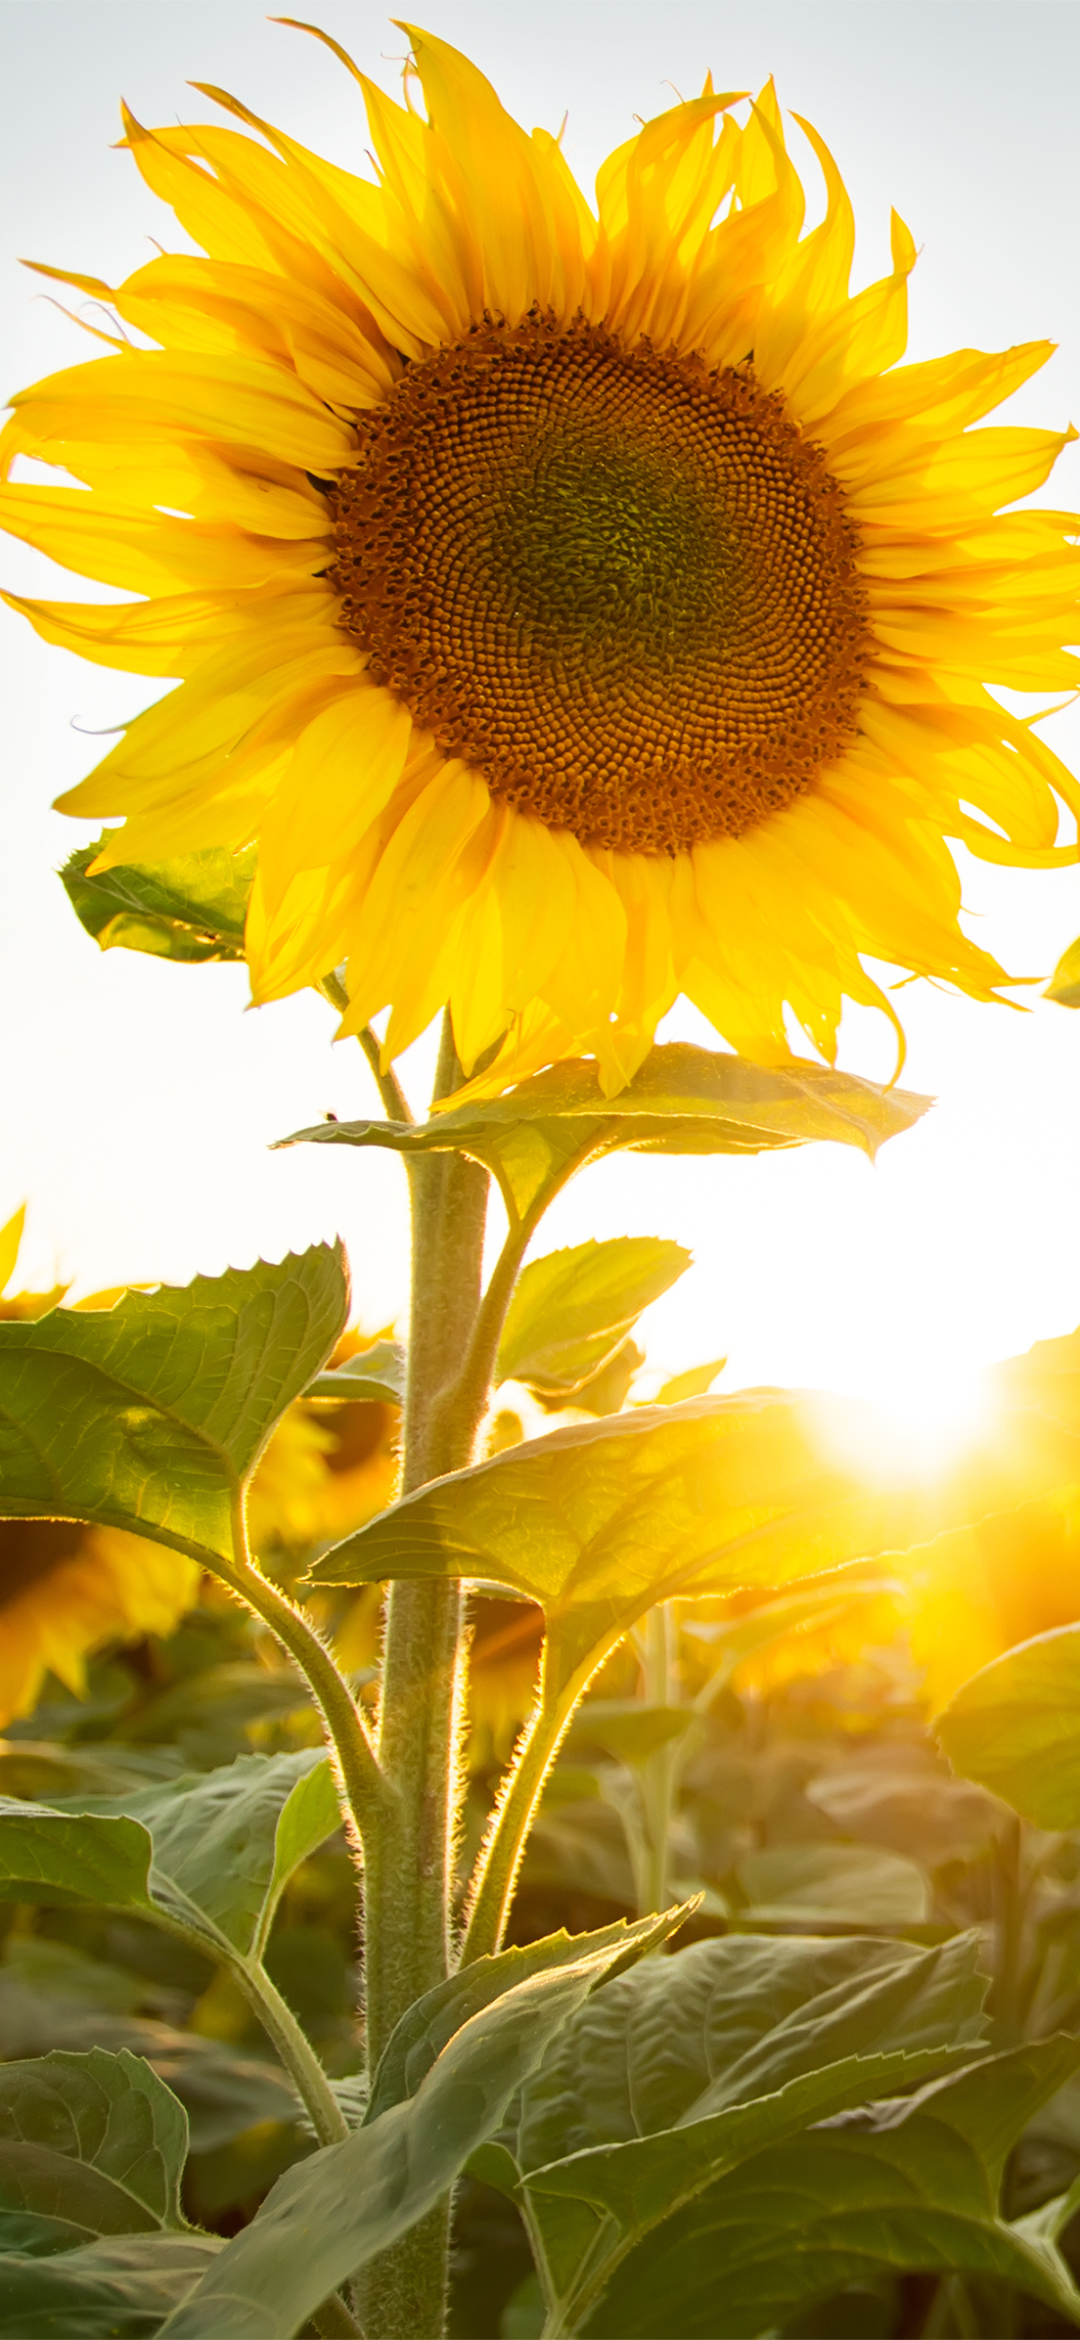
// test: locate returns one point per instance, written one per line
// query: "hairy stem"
(409, 1875)
(365, 1789)
(278, 2021)
(496, 1872)
(658, 1772)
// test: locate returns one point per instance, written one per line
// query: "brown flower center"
(31, 1549)
(622, 588)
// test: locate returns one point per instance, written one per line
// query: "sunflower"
(577, 607)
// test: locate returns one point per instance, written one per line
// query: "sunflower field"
(492, 1847)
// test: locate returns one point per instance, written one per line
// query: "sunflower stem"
(367, 1796)
(410, 1873)
(496, 1871)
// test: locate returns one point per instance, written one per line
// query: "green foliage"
(226, 1844)
(432, 2021)
(376, 1374)
(150, 1415)
(1015, 1727)
(328, 2219)
(600, 1521)
(89, 2145)
(61, 1857)
(572, 1309)
(684, 1100)
(688, 2066)
(119, 2289)
(909, 2186)
(191, 909)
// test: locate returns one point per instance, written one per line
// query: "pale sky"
(141, 1100)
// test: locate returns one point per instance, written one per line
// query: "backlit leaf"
(191, 909)
(572, 1309)
(599, 1521)
(150, 1414)
(377, 1374)
(684, 1100)
(1015, 1727)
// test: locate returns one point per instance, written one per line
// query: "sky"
(141, 1100)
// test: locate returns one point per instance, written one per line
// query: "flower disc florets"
(620, 586)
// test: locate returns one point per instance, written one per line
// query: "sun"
(910, 1418)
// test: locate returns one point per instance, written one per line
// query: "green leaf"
(325, 2220)
(600, 1521)
(734, 1640)
(115, 2290)
(150, 1414)
(910, 2186)
(377, 1374)
(683, 1101)
(1015, 1727)
(626, 1728)
(572, 1309)
(832, 1885)
(1064, 984)
(430, 2023)
(692, 2063)
(603, 1392)
(89, 2145)
(59, 1857)
(226, 1842)
(190, 909)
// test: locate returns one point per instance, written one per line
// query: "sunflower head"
(576, 604)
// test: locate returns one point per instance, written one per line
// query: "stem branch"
(364, 1786)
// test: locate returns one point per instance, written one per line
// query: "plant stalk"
(364, 1788)
(409, 1879)
(658, 1772)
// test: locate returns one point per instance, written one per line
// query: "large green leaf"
(60, 1857)
(1015, 1727)
(226, 1842)
(428, 2025)
(910, 2186)
(572, 1309)
(600, 1521)
(191, 909)
(119, 2289)
(150, 1414)
(684, 1100)
(325, 2220)
(89, 2145)
(688, 2065)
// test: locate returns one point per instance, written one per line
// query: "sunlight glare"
(910, 1422)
